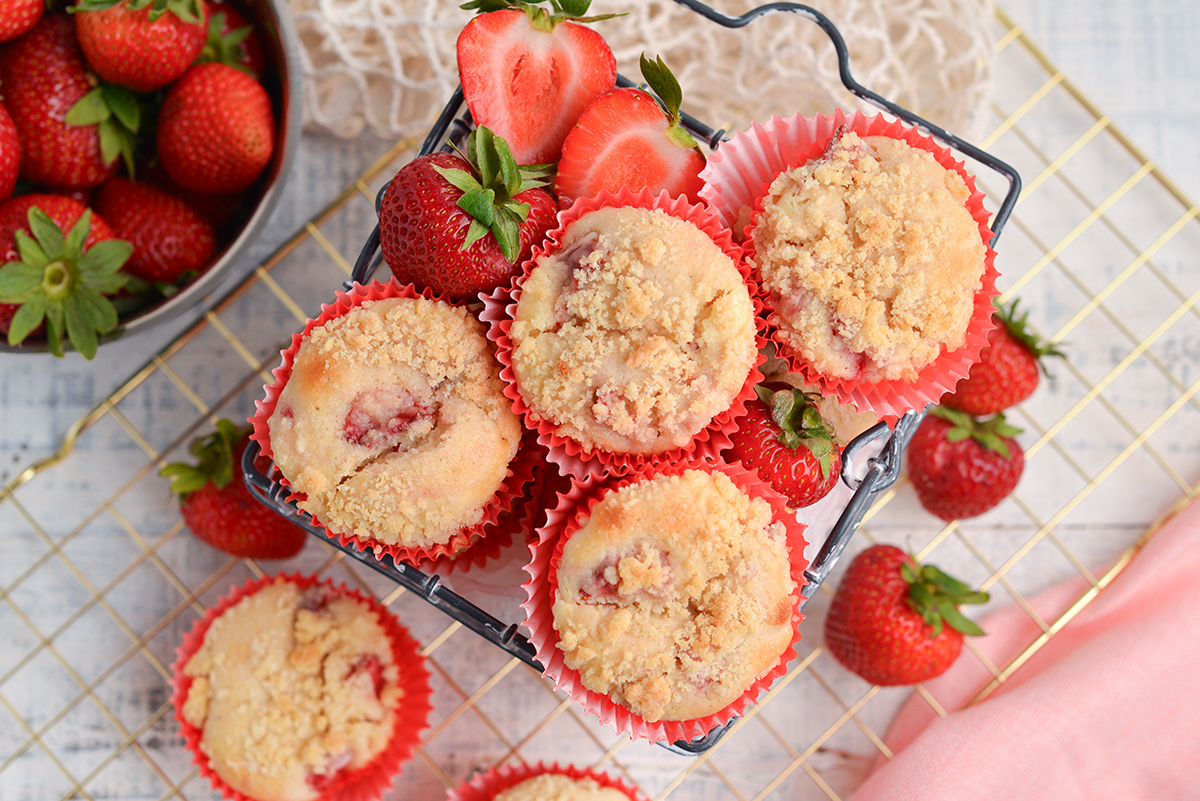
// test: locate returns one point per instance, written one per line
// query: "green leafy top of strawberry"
(490, 188)
(936, 597)
(57, 282)
(1018, 327)
(187, 10)
(226, 49)
(542, 19)
(800, 423)
(118, 114)
(989, 432)
(663, 83)
(214, 454)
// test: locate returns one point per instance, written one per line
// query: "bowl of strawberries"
(143, 145)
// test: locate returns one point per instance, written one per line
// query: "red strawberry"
(43, 76)
(784, 438)
(169, 239)
(218, 508)
(18, 16)
(216, 130)
(440, 228)
(140, 44)
(232, 40)
(624, 139)
(893, 621)
(60, 262)
(527, 73)
(962, 467)
(10, 154)
(1007, 370)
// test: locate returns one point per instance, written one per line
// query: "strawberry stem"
(795, 414)
(936, 596)
(989, 433)
(1018, 327)
(662, 82)
(214, 455)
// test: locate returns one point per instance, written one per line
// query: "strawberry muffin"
(392, 425)
(675, 595)
(290, 688)
(870, 259)
(560, 787)
(633, 333)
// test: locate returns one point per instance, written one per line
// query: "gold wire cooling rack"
(96, 593)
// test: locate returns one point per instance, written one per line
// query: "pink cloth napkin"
(1108, 708)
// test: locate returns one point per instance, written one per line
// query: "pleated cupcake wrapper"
(542, 586)
(505, 496)
(365, 784)
(738, 176)
(570, 455)
(487, 785)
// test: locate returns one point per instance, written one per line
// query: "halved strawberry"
(527, 73)
(625, 140)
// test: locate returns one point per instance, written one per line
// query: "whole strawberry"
(18, 16)
(216, 130)
(461, 226)
(894, 621)
(10, 154)
(169, 239)
(61, 262)
(625, 140)
(218, 508)
(1007, 370)
(962, 467)
(527, 72)
(785, 439)
(140, 44)
(43, 77)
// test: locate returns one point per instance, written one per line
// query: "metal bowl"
(274, 25)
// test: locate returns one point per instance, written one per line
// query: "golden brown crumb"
(559, 787)
(871, 258)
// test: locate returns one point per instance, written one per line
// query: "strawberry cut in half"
(528, 72)
(785, 439)
(461, 225)
(1007, 370)
(894, 621)
(625, 140)
(218, 508)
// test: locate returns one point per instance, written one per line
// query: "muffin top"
(559, 787)
(634, 333)
(290, 687)
(675, 595)
(871, 258)
(393, 423)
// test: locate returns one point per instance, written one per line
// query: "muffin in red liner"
(487, 785)
(700, 569)
(330, 640)
(891, 343)
(396, 435)
(611, 353)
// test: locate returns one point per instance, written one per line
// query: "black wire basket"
(881, 469)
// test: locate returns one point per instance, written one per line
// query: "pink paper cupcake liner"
(542, 585)
(737, 177)
(573, 458)
(510, 490)
(487, 785)
(365, 784)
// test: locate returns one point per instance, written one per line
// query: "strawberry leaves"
(117, 114)
(989, 433)
(540, 18)
(936, 596)
(1018, 327)
(800, 423)
(186, 10)
(663, 83)
(214, 461)
(57, 283)
(227, 49)
(489, 189)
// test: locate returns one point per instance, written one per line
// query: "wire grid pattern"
(96, 593)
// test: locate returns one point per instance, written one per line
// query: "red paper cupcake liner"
(739, 174)
(487, 785)
(542, 585)
(365, 784)
(572, 457)
(511, 489)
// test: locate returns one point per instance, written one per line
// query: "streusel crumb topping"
(559, 787)
(871, 258)
(634, 334)
(290, 687)
(675, 595)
